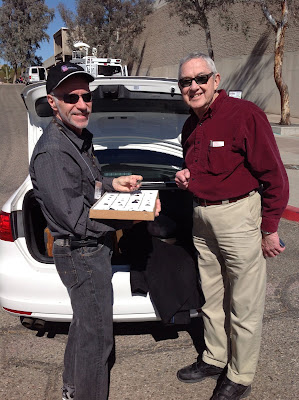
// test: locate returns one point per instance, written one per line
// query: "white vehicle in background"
(96, 66)
(136, 125)
(34, 74)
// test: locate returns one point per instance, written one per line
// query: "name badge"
(98, 190)
(217, 143)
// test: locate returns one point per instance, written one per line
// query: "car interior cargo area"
(173, 226)
(119, 98)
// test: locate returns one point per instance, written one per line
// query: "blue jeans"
(86, 272)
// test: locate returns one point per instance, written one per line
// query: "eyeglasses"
(199, 79)
(73, 98)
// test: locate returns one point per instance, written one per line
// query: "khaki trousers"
(233, 278)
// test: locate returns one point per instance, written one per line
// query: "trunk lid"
(128, 113)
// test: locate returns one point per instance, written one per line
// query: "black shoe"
(66, 395)
(198, 371)
(228, 390)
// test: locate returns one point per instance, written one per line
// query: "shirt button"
(196, 160)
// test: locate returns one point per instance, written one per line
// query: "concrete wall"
(254, 76)
(245, 62)
(62, 51)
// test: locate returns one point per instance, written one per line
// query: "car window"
(108, 70)
(153, 166)
(117, 101)
(132, 126)
(34, 70)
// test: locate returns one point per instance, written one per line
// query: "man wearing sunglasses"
(67, 179)
(230, 157)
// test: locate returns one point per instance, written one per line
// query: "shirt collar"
(217, 102)
(83, 141)
(213, 107)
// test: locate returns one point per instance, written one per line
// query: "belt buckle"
(62, 242)
(90, 242)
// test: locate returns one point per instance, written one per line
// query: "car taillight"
(5, 227)
(17, 311)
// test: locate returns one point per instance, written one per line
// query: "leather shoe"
(228, 390)
(198, 371)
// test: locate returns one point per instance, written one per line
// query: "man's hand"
(157, 211)
(271, 246)
(127, 183)
(182, 178)
(158, 207)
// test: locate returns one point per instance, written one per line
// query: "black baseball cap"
(62, 71)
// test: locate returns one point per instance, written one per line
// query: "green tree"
(23, 25)
(110, 26)
(6, 73)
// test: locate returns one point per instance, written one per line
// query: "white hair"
(191, 56)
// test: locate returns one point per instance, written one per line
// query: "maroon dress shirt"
(231, 151)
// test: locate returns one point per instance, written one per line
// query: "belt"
(205, 203)
(76, 243)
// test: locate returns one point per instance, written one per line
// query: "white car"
(35, 74)
(136, 123)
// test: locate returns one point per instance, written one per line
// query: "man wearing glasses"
(230, 157)
(66, 178)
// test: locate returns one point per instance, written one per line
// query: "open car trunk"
(174, 225)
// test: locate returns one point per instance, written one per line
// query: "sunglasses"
(74, 98)
(200, 80)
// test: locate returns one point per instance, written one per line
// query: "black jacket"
(168, 272)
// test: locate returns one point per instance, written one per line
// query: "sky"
(47, 49)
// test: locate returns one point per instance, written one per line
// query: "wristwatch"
(267, 233)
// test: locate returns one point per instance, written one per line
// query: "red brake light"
(17, 311)
(5, 227)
